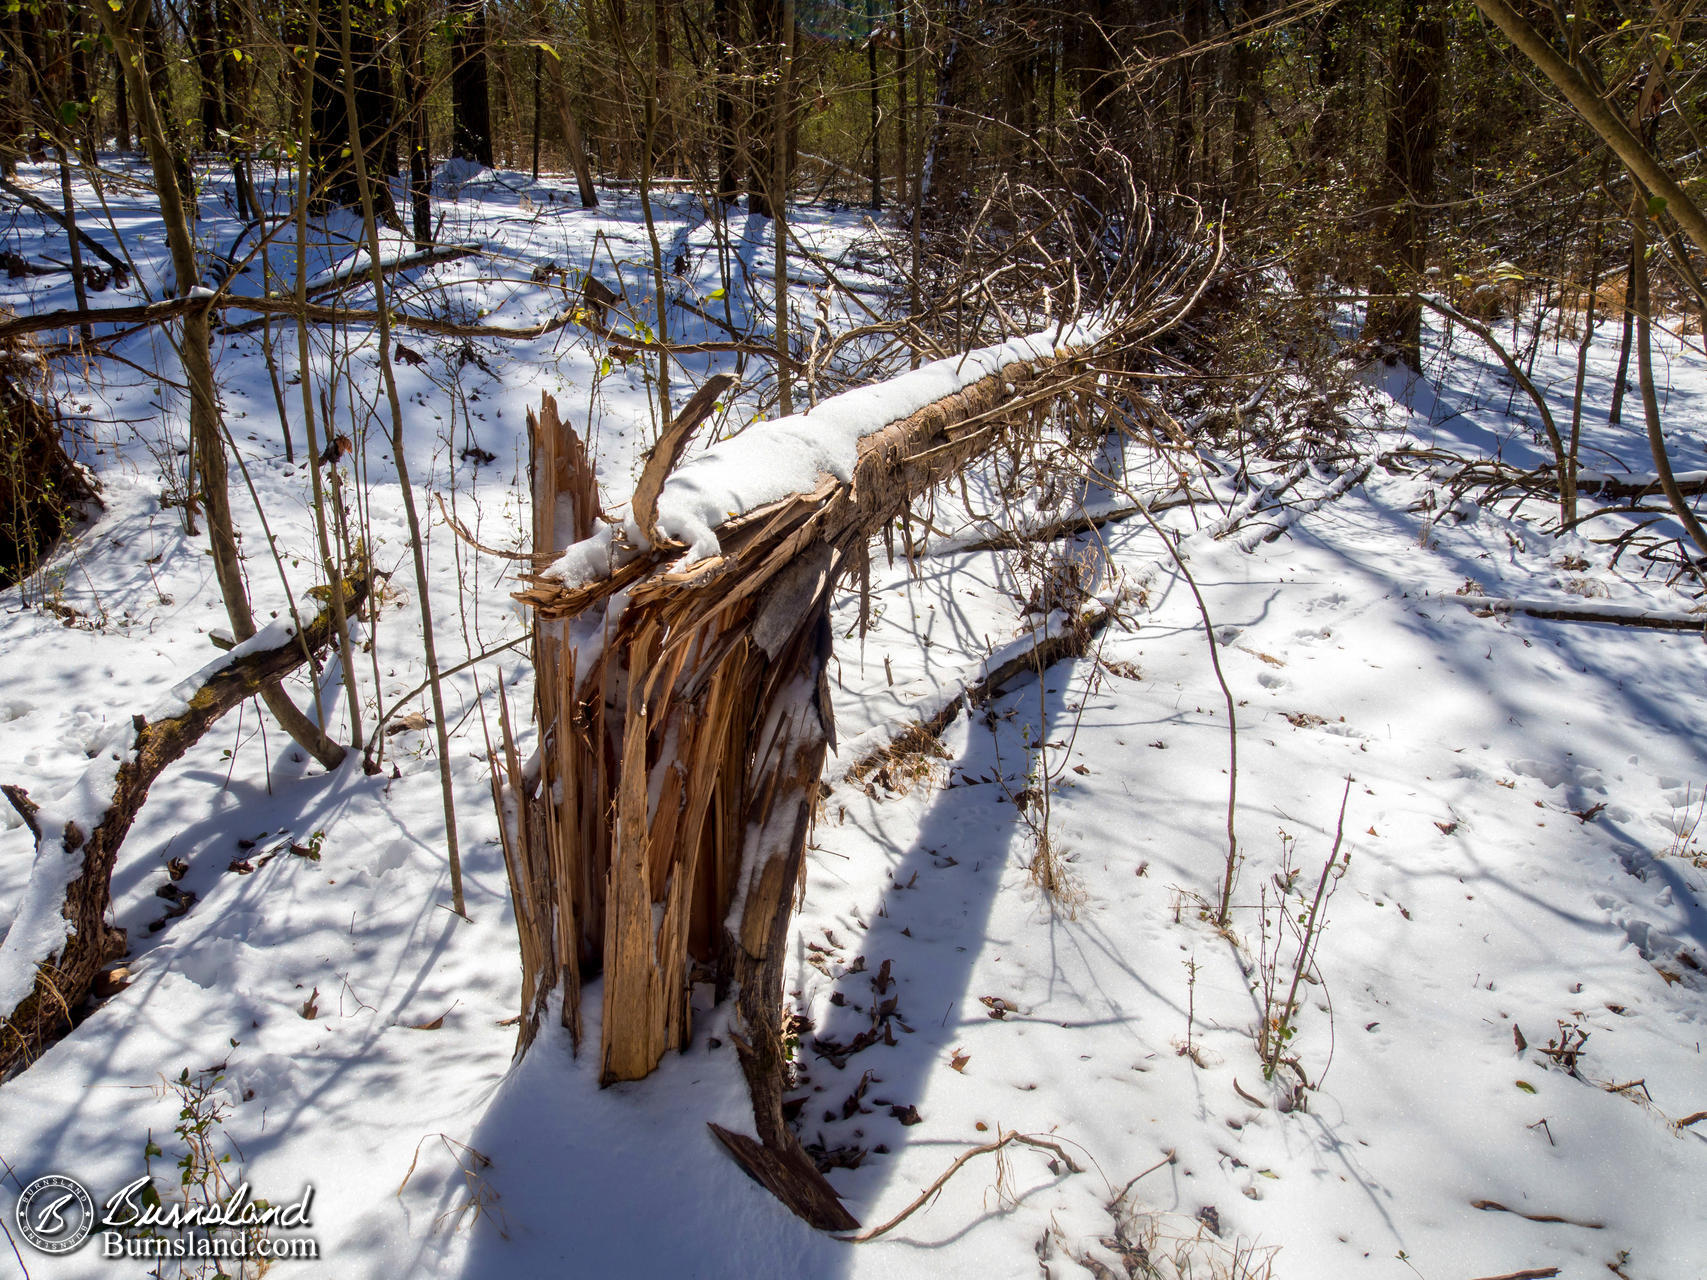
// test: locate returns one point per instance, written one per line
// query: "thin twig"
(960, 1161)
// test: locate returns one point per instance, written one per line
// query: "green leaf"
(1656, 206)
(1526, 1086)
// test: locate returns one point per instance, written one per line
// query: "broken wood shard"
(663, 456)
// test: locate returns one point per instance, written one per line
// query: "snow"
(38, 929)
(1521, 827)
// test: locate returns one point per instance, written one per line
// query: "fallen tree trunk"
(658, 834)
(60, 938)
(1620, 615)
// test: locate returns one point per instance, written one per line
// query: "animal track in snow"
(1561, 773)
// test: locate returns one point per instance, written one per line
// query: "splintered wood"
(657, 834)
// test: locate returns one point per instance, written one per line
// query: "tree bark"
(572, 138)
(1650, 400)
(762, 131)
(204, 34)
(728, 162)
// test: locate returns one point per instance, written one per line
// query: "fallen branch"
(1494, 1206)
(1622, 615)
(1690, 483)
(1534, 1273)
(960, 1162)
(788, 1175)
(360, 272)
(319, 313)
(1055, 641)
(1087, 520)
(120, 268)
(59, 938)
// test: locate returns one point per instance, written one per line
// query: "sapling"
(1279, 1024)
(417, 546)
(1190, 1004)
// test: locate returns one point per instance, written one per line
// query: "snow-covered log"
(60, 938)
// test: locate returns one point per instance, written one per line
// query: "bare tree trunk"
(1249, 62)
(412, 19)
(873, 85)
(782, 111)
(903, 151)
(763, 131)
(74, 244)
(665, 151)
(1395, 316)
(728, 163)
(330, 114)
(207, 57)
(572, 138)
(945, 175)
(121, 106)
(471, 119)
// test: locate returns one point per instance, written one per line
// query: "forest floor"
(1497, 1044)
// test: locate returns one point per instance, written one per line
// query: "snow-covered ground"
(1524, 869)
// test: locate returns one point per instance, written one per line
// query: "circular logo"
(55, 1214)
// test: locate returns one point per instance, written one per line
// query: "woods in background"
(1369, 141)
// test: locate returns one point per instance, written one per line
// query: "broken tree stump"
(657, 836)
(60, 936)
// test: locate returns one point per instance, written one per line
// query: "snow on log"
(707, 498)
(59, 937)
